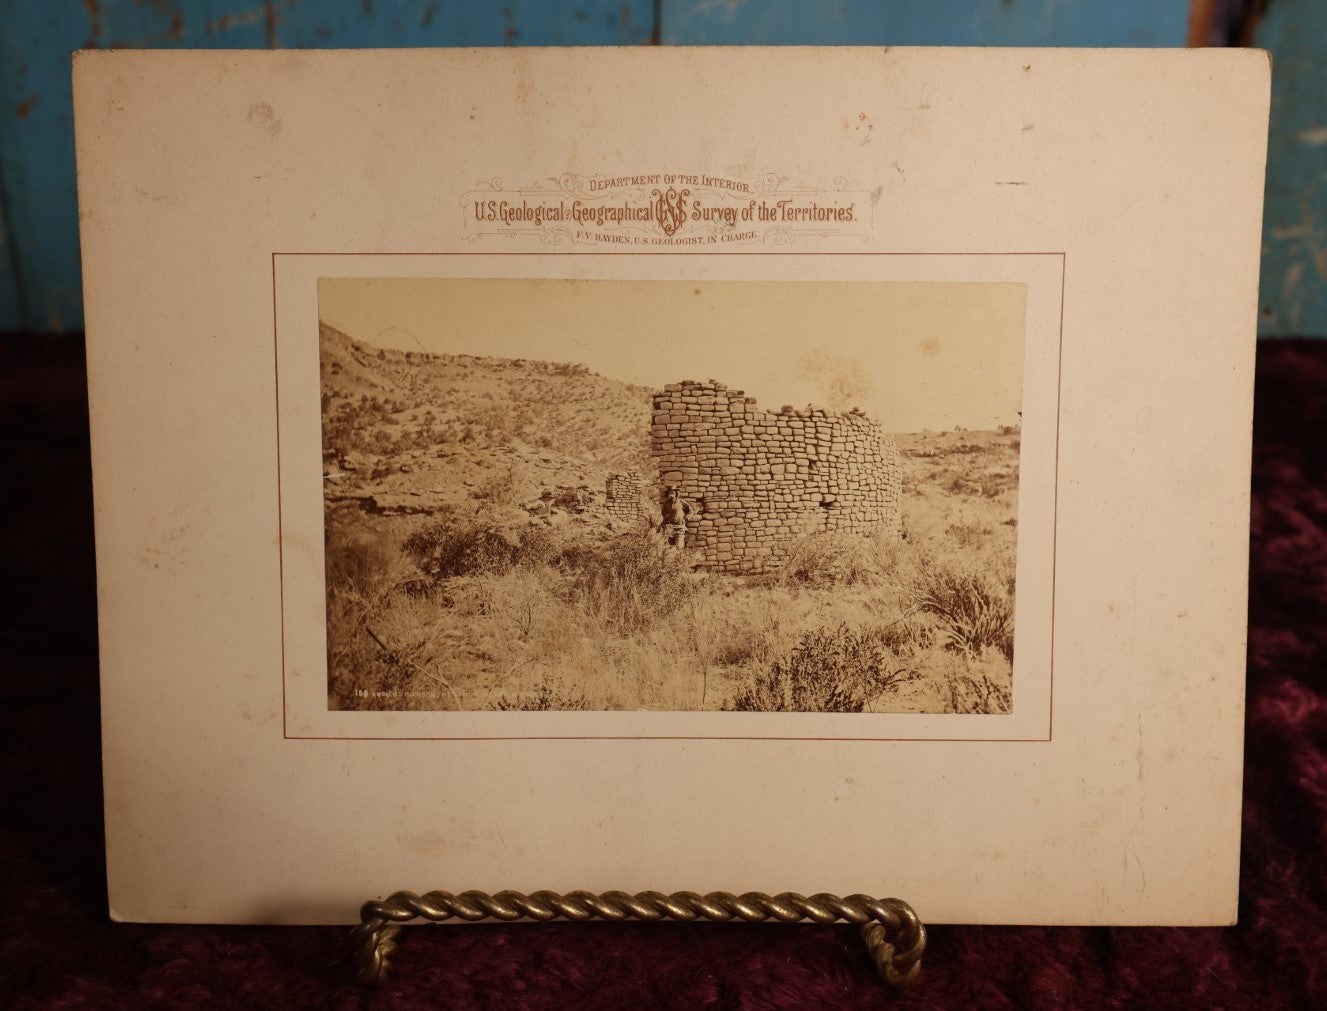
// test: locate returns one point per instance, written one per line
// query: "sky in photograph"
(913, 355)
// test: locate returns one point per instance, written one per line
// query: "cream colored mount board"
(392, 354)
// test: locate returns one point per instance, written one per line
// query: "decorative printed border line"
(601, 253)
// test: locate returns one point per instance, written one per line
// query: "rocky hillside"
(412, 432)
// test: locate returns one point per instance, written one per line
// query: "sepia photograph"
(670, 495)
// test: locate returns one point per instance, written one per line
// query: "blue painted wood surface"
(1293, 289)
(927, 22)
(39, 270)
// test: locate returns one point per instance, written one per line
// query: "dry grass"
(468, 613)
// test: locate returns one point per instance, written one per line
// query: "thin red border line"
(1055, 505)
(1055, 497)
(683, 737)
(662, 252)
(280, 511)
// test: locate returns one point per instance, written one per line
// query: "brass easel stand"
(893, 935)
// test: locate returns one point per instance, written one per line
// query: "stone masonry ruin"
(622, 495)
(758, 482)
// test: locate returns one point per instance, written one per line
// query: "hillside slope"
(413, 432)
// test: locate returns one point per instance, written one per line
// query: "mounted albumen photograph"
(670, 495)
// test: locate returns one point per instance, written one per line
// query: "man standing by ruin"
(675, 512)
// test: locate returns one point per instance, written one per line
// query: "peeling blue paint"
(927, 22)
(1293, 289)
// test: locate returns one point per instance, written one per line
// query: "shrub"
(455, 546)
(829, 671)
(969, 534)
(364, 574)
(976, 611)
(959, 485)
(997, 483)
(979, 694)
(746, 638)
(828, 558)
(550, 695)
(904, 636)
(497, 489)
(629, 582)
(359, 674)
(356, 559)
(538, 547)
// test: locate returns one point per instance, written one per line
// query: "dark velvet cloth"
(59, 950)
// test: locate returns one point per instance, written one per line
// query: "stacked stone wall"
(757, 481)
(622, 496)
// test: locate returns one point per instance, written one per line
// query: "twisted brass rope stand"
(894, 936)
